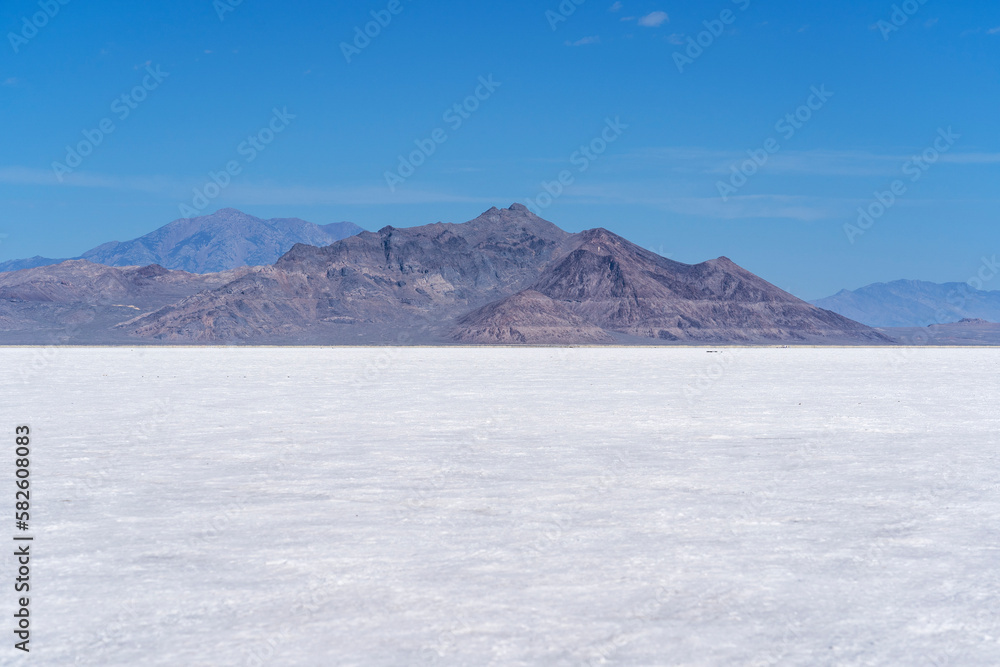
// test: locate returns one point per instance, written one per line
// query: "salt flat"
(239, 506)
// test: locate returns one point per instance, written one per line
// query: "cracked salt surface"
(510, 506)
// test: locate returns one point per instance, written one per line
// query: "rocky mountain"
(505, 277)
(222, 241)
(620, 288)
(527, 317)
(390, 279)
(913, 303)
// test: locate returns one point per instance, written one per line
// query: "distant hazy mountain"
(224, 240)
(913, 303)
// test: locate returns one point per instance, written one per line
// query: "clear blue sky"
(656, 183)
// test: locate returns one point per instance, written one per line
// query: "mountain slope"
(80, 281)
(913, 303)
(614, 285)
(80, 300)
(527, 317)
(222, 241)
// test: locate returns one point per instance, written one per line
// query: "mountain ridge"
(505, 277)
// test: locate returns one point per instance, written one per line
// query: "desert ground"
(502, 506)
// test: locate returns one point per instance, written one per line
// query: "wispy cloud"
(654, 19)
(12, 81)
(263, 194)
(994, 31)
(593, 39)
(617, 7)
(815, 162)
(971, 158)
(256, 193)
(682, 181)
(751, 207)
(46, 177)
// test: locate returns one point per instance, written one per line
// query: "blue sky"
(197, 87)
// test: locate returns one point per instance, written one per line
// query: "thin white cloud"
(750, 207)
(654, 19)
(593, 39)
(677, 39)
(46, 177)
(255, 193)
(993, 31)
(815, 162)
(617, 7)
(12, 81)
(971, 158)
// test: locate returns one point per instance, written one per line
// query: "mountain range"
(914, 303)
(507, 277)
(225, 240)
